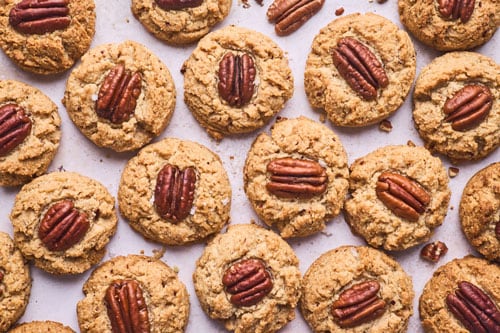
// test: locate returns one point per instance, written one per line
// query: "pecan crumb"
(260, 2)
(381, 1)
(385, 126)
(339, 11)
(231, 157)
(434, 251)
(411, 143)
(245, 3)
(453, 172)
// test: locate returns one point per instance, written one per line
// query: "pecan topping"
(127, 309)
(497, 230)
(404, 197)
(468, 107)
(293, 178)
(358, 305)
(62, 226)
(359, 67)
(40, 16)
(248, 282)
(118, 94)
(174, 192)
(474, 309)
(236, 78)
(178, 4)
(15, 126)
(456, 9)
(434, 251)
(289, 15)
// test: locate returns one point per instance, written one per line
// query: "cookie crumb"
(411, 143)
(231, 157)
(339, 11)
(322, 118)
(158, 253)
(176, 269)
(327, 234)
(141, 252)
(385, 126)
(453, 172)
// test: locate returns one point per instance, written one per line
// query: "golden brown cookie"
(41, 327)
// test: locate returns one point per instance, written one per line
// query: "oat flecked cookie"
(235, 81)
(473, 278)
(147, 286)
(456, 105)
(297, 177)
(355, 97)
(260, 301)
(41, 327)
(30, 133)
(326, 285)
(121, 96)
(175, 192)
(15, 283)
(63, 221)
(399, 195)
(44, 47)
(180, 21)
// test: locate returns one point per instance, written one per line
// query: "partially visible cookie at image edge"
(41, 326)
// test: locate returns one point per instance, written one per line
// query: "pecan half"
(468, 107)
(434, 251)
(15, 126)
(474, 309)
(118, 94)
(178, 4)
(236, 79)
(358, 304)
(404, 197)
(127, 308)
(497, 230)
(40, 16)
(248, 281)
(174, 192)
(456, 9)
(289, 15)
(359, 67)
(62, 226)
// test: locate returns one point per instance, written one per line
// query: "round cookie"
(435, 312)
(32, 156)
(337, 271)
(41, 326)
(263, 90)
(58, 48)
(480, 211)
(63, 221)
(142, 198)
(326, 87)
(132, 119)
(445, 33)
(15, 283)
(295, 206)
(248, 246)
(164, 296)
(442, 80)
(399, 194)
(179, 26)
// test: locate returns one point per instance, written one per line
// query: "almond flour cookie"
(180, 21)
(249, 279)
(456, 105)
(297, 177)
(46, 37)
(453, 288)
(175, 192)
(235, 81)
(63, 221)
(42, 327)
(399, 195)
(121, 96)
(386, 64)
(340, 275)
(29, 132)
(149, 288)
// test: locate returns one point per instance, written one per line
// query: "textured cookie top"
(42, 326)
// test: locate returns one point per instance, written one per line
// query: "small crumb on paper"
(453, 172)
(158, 253)
(411, 143)
(385, 126)
(339, 11)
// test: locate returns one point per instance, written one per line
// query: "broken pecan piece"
(289, 15)
(404, 197)
(40, 16)
(456, 9)
(497, 230)
(236, 78)
(248, 282)
(15, 126)
(127, 308)
(359, 67)
(468, 107)
(434, 251)
(178, 4)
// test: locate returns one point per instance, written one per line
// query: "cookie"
(175, 192)
(341, 274)
(440, 306)
(235, 81)
(260, 301)
(354, 97)
(444, 28)
(50, 41)
(297, 177)
(29, 134)
(480, 211)
(158, 296)
(42, 327)
(450, 84)
(180, 22)
(398, 196)
(63, 221)
(121, 96)
(15, 283)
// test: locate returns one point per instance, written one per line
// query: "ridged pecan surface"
(434, 251)
(289, 15)
(468, 107)
(456, 9)
(15, 126)
(236, 78)
(40, 16)
(178, 4)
